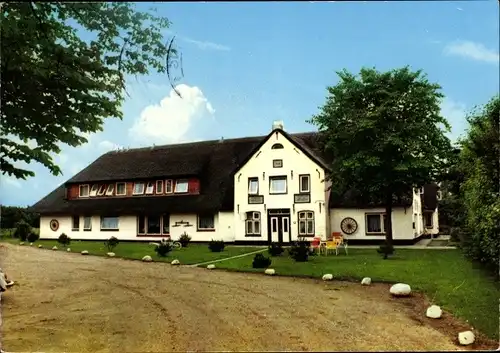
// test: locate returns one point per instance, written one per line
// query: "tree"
(480, 163)
(385, 134)
(56, 85)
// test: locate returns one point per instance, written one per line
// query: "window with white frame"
(109, 223)
(253, 186)
(75, 223)
(159, 186)
(428, 219)
(110, 189)
(94, 189)
(150, 188)
(206, 222)
(306, 223)
(277, 185)
(181, 186)
(376, 223)
(102, 190)
(169, 186)
(121, 189)
(138, 189)
(87, 223)
(153, 224)
(252, 223)
(304, 184)
(166, 223)
(83, 191)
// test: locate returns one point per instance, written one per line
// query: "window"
(87, 223)
(428, 219)
(141, 225)
(304, 183)
(159, 186)
(206, 222)
(277, 185)
(306, 224)
(102, 190)
(138, 188)
(181, 185)
(253, 186)
(121, 189)
(277, 163)
(153, 225)
(93, 191)
(109, 223)
(376, 223)
(84, 191)
(76, 223)
(109, 190)
(150, 188)
(252, 223)
(169, 187)
(166, 223)
(277, 146)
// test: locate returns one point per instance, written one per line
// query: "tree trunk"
(388, 225)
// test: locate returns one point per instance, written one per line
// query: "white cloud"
(206, 45)
(106, 146)
(455, 113)
(171, 120)
(472, 50)
(10, 181)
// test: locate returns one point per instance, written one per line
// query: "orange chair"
(316, 243)
(339, 241)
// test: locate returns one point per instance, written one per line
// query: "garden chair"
(340, 241)
(330, 245)
(315, 244)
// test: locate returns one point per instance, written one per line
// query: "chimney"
(278, 124)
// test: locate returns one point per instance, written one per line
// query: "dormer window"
(110, 189)
(150, 188)
(84, 191)
(169, 186)
(102, 190)
(121, 189)
(93, 191)
(277, 146)
(159, 186)
(138, 188)
(181, 186)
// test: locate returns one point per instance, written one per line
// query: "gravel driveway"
(70, 302)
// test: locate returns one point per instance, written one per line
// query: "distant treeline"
(10, 216)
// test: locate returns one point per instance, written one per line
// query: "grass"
(193, 254)
(445, 276)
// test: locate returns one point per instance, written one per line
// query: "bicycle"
(174, 244)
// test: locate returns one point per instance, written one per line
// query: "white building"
(246, 190)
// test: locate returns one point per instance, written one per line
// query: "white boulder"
(327, 277)
(54, 247)
(31, 244)
(434, 312)
(85, 252)
(68, 250)
(175, 262)
(147, 258)
(21, 243)
(400, 289)
(270, 271)
(111, 254)
(40, 245)
(366, 281)
(465, 338)
(211, 266)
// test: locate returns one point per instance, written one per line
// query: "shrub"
(111, 243)
(216, 245)
(32, 237)
(260, 261)
(163, 248)
(64, 240)
(184, 239)
(23, 229)
(385, 249)
(275, 249)
(299, 251)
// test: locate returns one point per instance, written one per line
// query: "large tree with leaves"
(385, 134)
(57, 85)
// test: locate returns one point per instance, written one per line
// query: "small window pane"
(109, 223)
(285, 225)
(84, 190)
(304, 184)
(309, 215)
(249, 229)
(168, 186)
(141, 225)
(206, 222)
(76, 222)
(138, 188)
(120, 189)
(256, 227)
(159, 187)
(310, 227)
(150, 188)
(253, 186)
(277, 185)
(87, 223)
(110, 189)
(181, 186)
(274, 225)
(302, 227)
(153, 225)
(373, 223)
(166, 224)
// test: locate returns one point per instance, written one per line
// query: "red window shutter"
(193, 186)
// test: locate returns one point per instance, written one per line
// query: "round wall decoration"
(348, 225)
(54, 224)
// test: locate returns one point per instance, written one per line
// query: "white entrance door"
(274, 229)
(285, 226)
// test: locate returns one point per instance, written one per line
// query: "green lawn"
(193, 254)
(445, 276)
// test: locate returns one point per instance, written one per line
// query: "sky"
(247, 64)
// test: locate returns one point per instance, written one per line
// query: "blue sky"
(247, 64)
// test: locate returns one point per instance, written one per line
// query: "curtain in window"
(153, 225)
(87, 223)
(109, 222)
(278, 185)
(206, 222)
(373, 223)
(166, 224)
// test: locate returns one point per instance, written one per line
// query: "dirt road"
(70, 302)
